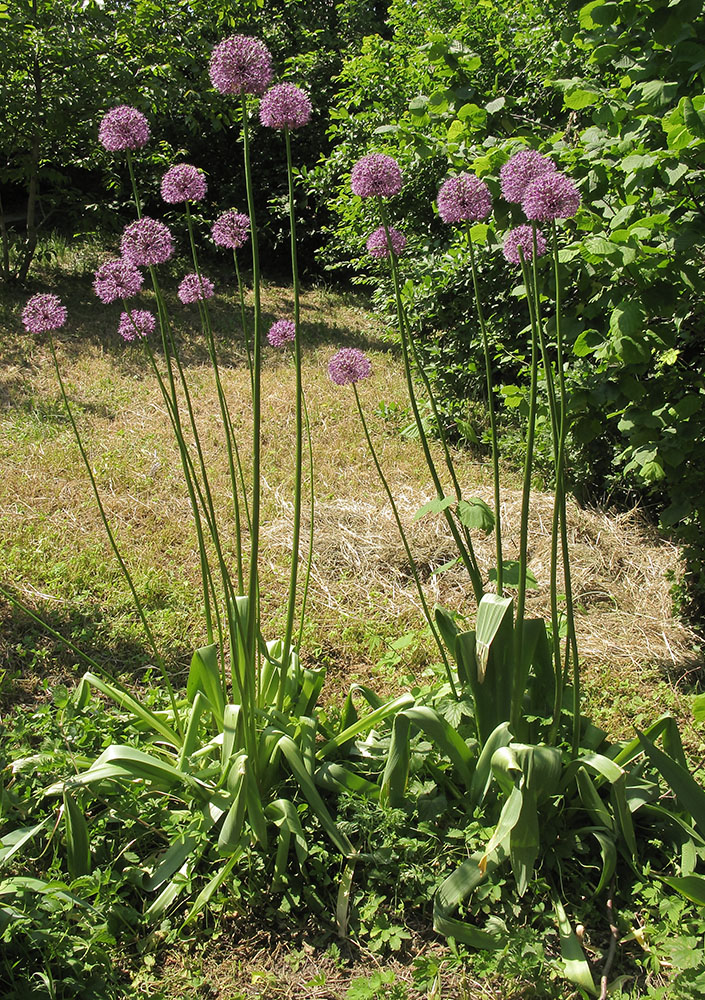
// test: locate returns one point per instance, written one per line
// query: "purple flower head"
(282, 332)
(522, 238)
(146, 242)
(183, 183)
(138, 323)
(117, 279)
(464, 198)
(285, 106)
(194, 288)
(231, 229)
(377, 244)
(376, 174)
(348, 366)
(123, 128)
(551, 196)
(241, 64)
(42, 313)
(519, 171)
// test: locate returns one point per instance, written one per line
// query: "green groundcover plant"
(230, 765)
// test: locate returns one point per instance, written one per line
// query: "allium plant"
(379, 242)
(225, 751)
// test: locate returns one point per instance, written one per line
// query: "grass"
(364, 622)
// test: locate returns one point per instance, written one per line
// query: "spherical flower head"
(348, 366)
(376, 174)
(183, 183)
(231, 229)
(281, 333)
(522, 238)
(117, 279)
(195, 288)
(123, 128)
(285, 106)
(241, 65)
(550, 196)
(136, 324)
(464, 198)
(520, 170)
(146, 242)
(43, 312)
(378, 246)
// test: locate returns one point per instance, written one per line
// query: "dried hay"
(619, 568)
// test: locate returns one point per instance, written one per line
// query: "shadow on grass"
(33, 660)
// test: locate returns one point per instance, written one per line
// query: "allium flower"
(117, 279)
(138, 323)
(183, 183)
(146, 242)
(523, 238)
(123, 128)
(282, 332)
(241, 64)
(194, 288)
(378, 246)
(285, 106)
(231, 229)
(519, 171)
(376, 174)
(348, 366)
(464, 198)
(550, 196)
(42, 313)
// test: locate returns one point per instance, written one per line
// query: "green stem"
(243, 317)
(113, 543)
(491, 413)
(468, 560)
(135, 192)
(298, 457)
(409, 556)
(518, 692)
(312, 499)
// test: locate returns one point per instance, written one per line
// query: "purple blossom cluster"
(183, 182)
(348, 366)
(123, 128)
(378, 246)
(136, 324)
(147, 242)
(285, 106)
(376, 175)
(551, 196)
(241, 65)
(117, 279)
(520, 170)
(231, 229)
(464, 198)
(195, 288)
(522, 238)
(43, 312)
(281, 333)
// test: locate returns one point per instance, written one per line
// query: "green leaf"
(482, 778)
(690, 795)
(435, 506)
(126, 701)
(575, 964)
(690, 886)
(627, 318)
(699, 707)
(511, 575)
(204, 675)
(365, 724)
(454, 891)
(608, 853)
(580, 98)
(78, 851)
(475, 513)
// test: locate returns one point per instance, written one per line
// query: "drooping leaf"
(575, 964)
(435, 506)
(475, 513)
(78, 851)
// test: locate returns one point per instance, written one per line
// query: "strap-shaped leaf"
(198, 708)
(608, 852)
(590, 798)
(121, 762)
(14, 840)
(482, 778)
(445, 624)
(396, 768)
(284, 814)
(337, 778)
(366, 723)
(575, 964)
(130, 704)
(454, 891)
(231, 830)
(78, 850)
(690, 886)
(204, 675)
(508, 819)
(190, 844)
(214, 883)
(690, 795)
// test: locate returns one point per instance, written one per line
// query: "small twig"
(612, 950)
